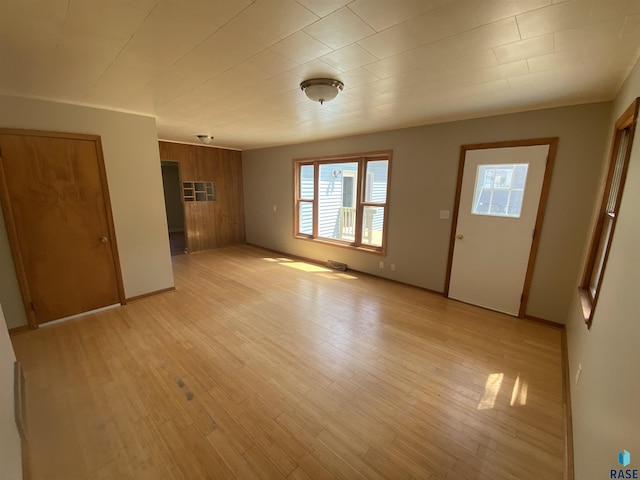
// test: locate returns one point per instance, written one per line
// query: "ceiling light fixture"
(206, 139)
(321, 89)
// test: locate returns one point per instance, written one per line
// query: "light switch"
(444, 214)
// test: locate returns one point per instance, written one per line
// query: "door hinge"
(32, 306)
(533, 233)
(522, 298)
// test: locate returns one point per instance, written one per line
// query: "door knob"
(104, 239)
(459, 236)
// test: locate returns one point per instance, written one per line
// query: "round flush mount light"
(206, 139)
(321, 89)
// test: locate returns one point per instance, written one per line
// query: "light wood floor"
(260, 367)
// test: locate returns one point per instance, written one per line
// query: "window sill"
(587, 306)
(337, 243)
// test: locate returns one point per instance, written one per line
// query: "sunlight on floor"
(346, 275)
(306, 267)
(491, 390)
(519, 394)
(310, 267)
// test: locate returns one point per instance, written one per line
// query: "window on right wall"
(608, 213)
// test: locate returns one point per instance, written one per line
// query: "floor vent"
(336, 265)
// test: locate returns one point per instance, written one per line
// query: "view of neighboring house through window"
(605, 226)
(343, 200)
(499, 190)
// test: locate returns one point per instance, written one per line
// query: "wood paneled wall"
(211, 224)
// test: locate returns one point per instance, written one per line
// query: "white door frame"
(552, 142)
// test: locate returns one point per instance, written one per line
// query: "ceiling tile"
(610, 9)
(236, 37)
(589, 34)
(390, 42)
(498, 33)
(151, 42)
(262, 66)
(129, 73)
(485, 88)
(509, 70)
(523, 49)
(316, 68)
(631, 30)
(266, 64)
(216, 12)
(300, 48)
(280, 18)
(413, 78)
(349, 57)
(443, 22)
(265, 89)
(489, 11)
(554, 18)
(435, 52)
(380, 15)
(513, 69)
(322, 8)
(358, 76)
(391, 66)
(555, 61)
(359, 94)
(113, 18)
(470, 62)
(339, 29)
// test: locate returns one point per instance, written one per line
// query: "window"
(606, 223)
(343, 200)
(499, 190)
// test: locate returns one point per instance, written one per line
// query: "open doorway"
(174, 207)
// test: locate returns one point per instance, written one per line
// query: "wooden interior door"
(58, 217)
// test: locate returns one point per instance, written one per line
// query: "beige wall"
(425, 163)
(606, 417)
(132, 162)
(10, 449)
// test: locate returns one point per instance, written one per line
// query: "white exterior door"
(499, 200)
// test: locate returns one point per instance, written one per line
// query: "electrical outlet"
(381, 264)
(393, 267)
(578, 373)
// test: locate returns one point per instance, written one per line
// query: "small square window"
(499, 190)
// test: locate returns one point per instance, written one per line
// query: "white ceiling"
(233, 68)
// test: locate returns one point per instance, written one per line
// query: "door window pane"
(499, 190)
